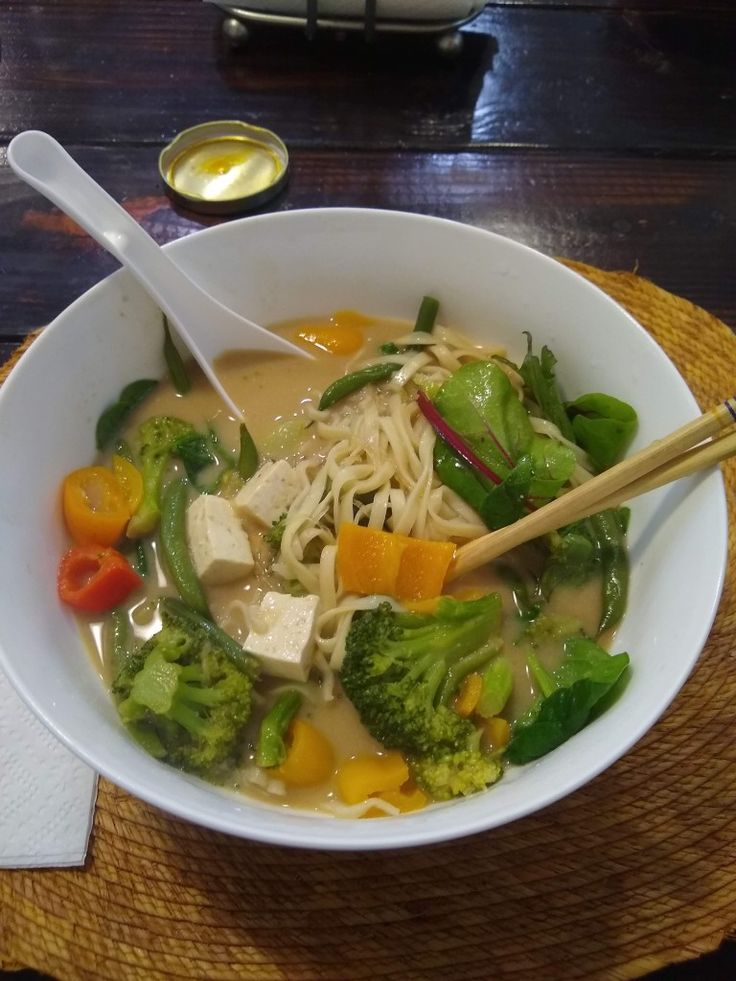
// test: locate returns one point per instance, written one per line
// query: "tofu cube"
(282, 635)
(218, 544)
(268, 494)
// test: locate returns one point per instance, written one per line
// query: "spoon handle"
(43, 163)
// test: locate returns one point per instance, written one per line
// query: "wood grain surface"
(601, 130)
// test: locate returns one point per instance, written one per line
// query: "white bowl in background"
(281, 266)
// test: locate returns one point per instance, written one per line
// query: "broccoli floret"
(156, 440)
(184, 698)
(401, 672)
(456, 774)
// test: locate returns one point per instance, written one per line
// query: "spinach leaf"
(586, 674)
(603, 425)
(454, 473)
(114, 415)
(552, 466)
(505, 502)
(574, 557)
(539, 377)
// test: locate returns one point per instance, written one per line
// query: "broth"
(273, 390)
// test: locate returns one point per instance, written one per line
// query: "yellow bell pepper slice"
(95, 508)
(368, 776)
(310, 758)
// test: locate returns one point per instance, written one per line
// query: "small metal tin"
(224, 166)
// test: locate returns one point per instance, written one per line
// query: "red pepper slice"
(95, 579)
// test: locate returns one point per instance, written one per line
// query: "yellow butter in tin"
(224, 167)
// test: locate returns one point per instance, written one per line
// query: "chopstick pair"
(698, 444)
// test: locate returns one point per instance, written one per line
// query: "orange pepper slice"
(368, 560)
(374, 561)
(423, 568)
(95, 507)
(310, 758)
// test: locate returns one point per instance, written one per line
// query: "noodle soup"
(374, 684)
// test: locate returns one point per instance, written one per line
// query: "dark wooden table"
(601, 131)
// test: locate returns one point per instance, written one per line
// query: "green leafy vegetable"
(480, 403)
(115, 415)
(586, 675)
(604, 426)
(539, 377)
(193, 449)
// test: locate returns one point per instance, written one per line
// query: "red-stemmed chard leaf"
(454, 439)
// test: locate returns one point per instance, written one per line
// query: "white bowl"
(296, 263)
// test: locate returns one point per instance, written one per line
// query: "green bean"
(614, 568)
(427, 315)
(115, 640)
(174, 545)
(248, 456)
(178, 373)
(184, 614)
(348, 384)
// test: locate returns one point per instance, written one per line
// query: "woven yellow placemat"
(634, 871)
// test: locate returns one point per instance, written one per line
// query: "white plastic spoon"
(206, 326)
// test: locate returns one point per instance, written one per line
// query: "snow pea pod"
(356, 380)
(174, 545)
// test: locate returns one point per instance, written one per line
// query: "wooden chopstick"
(681, 453)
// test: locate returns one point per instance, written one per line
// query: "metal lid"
(224, 166)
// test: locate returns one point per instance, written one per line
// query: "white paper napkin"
(47, 795)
